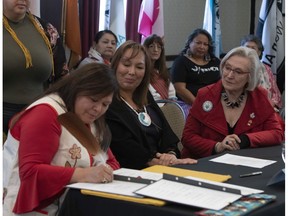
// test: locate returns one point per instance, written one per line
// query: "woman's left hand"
(185, 161)
(166, 159)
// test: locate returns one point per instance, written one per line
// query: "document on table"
(115, 187)
(243, 161)
(138, 174)
(187, 194)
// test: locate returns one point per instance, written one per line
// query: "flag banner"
(117, 20)
(72, 33)
(107, 14)
(271, 29)
(211, 23)
(151, 18)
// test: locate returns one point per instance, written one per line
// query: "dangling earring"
(207, 57)
(189, 53)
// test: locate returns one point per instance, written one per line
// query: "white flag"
(271, 29)
(117, 20)
(211, 23)
(151, 18)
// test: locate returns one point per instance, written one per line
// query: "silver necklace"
(143, 117)
(231, 104)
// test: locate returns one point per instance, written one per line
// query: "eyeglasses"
(227, 69)
(153, 46)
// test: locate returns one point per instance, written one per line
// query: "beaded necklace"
(231, 104)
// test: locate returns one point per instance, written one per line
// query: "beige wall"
(181, 17)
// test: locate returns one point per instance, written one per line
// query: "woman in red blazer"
(233, 113)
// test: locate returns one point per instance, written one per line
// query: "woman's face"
(253, 45)
(154, 51)
(130, 72)
(235, 73)
(106, 46)
(14, 9)
(90, 108)
(199, 45)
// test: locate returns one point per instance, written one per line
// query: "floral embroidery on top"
(75, 153)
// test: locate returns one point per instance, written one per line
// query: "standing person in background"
(194, 68)
(160, 85)
(234, 113)
(33, 57)
(267, 79)
(141, 136)
(103, 48)
(59, 139)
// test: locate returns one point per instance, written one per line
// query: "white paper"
(242, 160)
(114, 187)
(244, 190)
(138, 173)
(188, 194)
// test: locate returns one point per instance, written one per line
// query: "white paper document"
(115, 187)
(243, 161)
(138, 174)
(188, 194)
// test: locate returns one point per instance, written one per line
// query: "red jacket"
(204, 129)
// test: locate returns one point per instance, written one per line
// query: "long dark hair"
(140, 94)
(194, 34)
(93, 79)
(160, 64)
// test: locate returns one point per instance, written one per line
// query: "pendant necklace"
(231, 104)
(143, 117)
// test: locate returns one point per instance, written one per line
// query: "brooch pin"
(207, 106)
(252, 116)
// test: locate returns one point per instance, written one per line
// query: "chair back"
(175, 117)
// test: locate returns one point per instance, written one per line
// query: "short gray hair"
(255, 68)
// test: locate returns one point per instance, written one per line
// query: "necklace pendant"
(144, 119)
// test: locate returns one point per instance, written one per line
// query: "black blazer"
(129, 143)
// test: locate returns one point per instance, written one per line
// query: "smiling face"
(15, 9)
(236, 73)
(130, 71)
(90, 108)
(106, 46)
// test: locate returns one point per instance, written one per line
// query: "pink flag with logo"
(151, 18)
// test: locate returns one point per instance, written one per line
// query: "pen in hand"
(251, 174)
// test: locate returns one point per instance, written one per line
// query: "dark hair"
(140, 94)
(93, 79)
(194, 34)
(100, 34)
(255, 39)
(160, 64)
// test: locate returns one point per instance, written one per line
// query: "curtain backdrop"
(132, 15)
(89, 23)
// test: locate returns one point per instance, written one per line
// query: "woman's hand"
(185, 161)
(102, 173)
(230, 143)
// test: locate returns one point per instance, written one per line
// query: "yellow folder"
(185, 172)
(148, 201)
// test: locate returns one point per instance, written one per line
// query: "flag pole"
(63, 20)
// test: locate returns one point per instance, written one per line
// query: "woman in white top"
(103, 48)
(160, 85)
